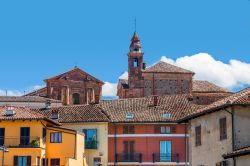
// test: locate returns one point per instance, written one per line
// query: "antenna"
(135, 24)
(6, 92)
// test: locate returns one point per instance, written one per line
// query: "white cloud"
(233, 74)
(19, 92)
(124, 76)
(109, 89)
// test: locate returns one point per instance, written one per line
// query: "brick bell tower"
(135, 67)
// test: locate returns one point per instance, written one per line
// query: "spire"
(135, 45)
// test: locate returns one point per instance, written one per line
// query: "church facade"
(72, 88)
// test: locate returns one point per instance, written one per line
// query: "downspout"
(115, 156)
(233, 135)
(186, 148)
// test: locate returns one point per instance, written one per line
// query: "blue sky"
(39, 39)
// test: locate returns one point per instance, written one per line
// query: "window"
(223, 128)
(44, 134)
(25, 136)
(2, 133)
(22, 160)
(128, 129)
(198, 135)
(135, 63)
(90, 138)
(76, 98)
(165, 129)
(129, 151)
(56, 137)
(55, 162)
(165, 151)
(45, 162)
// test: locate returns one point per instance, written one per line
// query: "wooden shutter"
(28, 160)
(223, 128)
(125, 129)
(198, 135)
(131, 129)
(173, 129)
(157, 129)
(125, 147)
(15, 160)
(132, 147)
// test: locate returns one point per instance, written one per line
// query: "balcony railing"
(20, 142)
(134, 157)
(165, 157)
(91, 144)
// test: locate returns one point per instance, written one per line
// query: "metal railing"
(91, 144)
(165, 157)
(134, 157)
(20, 142)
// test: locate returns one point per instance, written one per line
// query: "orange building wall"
(147, 145)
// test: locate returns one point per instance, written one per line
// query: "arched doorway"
(76, 98)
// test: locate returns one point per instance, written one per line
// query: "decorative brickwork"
(72, 87)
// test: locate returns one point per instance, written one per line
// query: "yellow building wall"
(68, 150)
(12, 138)
(102, 138)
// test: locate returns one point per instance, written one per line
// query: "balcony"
(90, 144)
(165, 157)
(20, 142)
(136, 157)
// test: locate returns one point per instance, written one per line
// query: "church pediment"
(75, 74)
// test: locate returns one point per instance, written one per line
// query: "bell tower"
(135, 67)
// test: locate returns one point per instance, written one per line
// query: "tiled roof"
(239, 152)
(22, 113)
(77, 113)
(30, 99)
(205, 86)
(240, 98)
(38, 92)
(176, 105)
(163, 67)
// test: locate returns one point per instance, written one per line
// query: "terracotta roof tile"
(239, 152)
(163, 67)
(27, 99)
(77, 113)
(22, 113)
(240, 98)
(176, 105)
(205, 86)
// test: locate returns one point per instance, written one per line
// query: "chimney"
(55, 115)
(155, 100)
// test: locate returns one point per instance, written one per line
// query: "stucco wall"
(212, 148)
(243, 160)
(102, 138)
(242, 122)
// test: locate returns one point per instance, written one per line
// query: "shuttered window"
(198, 135)
(128, 129)
(223, 128)
(55, 162)
(165, 129)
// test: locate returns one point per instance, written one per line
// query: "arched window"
(76, 98)
(136, 63)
